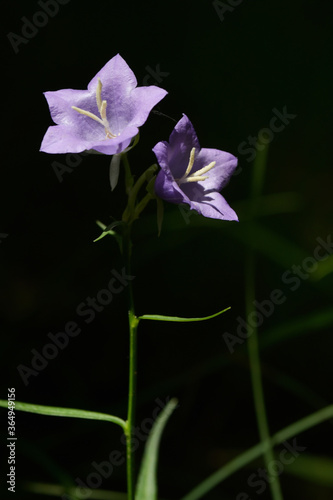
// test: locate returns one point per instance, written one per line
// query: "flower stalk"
(253, 341)
(131, 212)
(133, 322)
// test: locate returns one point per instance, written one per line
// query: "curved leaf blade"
(256, 451)
(146, 488)
(107, 229)
(55, 411)
(177, 319)
(315, 468)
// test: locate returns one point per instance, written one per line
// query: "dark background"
(227, 74)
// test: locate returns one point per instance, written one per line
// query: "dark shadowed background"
(231, 69)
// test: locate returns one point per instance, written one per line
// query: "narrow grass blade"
(107, 229)
(147, 481)
(252, 453)
(313, 468)
(55, 411)
(176, 319)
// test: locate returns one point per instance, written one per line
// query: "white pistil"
(87, 113)
(196, 176)
(101, 105)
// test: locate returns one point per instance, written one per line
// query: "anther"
(102, 110)
(196, 176)
(190, 163)
(101, 105)
(87, 113)
(193, 178)
(206, 169)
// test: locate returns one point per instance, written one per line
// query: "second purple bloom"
(194, 175)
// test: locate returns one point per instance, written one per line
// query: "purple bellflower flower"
(105, 117)
(193, 175)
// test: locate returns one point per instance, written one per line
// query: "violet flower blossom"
(105, 117)
(193, 175)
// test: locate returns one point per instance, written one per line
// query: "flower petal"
(214, 206)
(182, 139)
(219, 176)
(167, 189)
(117, 79)
(143, 99)
(127, 108)
(177, 183)
(60, 103)
(62, 139)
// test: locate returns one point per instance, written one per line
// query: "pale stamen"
(193, 178)
(103, 110)
(101, 105)
(190, 163)
(87, 113)
(196, 176)
(205, 169)
(99, 95)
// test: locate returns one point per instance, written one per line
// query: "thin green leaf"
(107, 229)
(44, 462)
(176, 319)
(55, 411)
(313, 468)
(325, 267)
(278, 248)
(146, 488)
(297, 327)
(61, 492)
(252, 453)
(101, 225)
(111, 233)
(271, 204)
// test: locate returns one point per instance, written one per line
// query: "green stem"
(127, 216)
(133, 325)
(253, 343)
(141, 205)
(256, 379)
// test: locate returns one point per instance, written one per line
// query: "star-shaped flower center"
(101, 105)
(196, 176)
